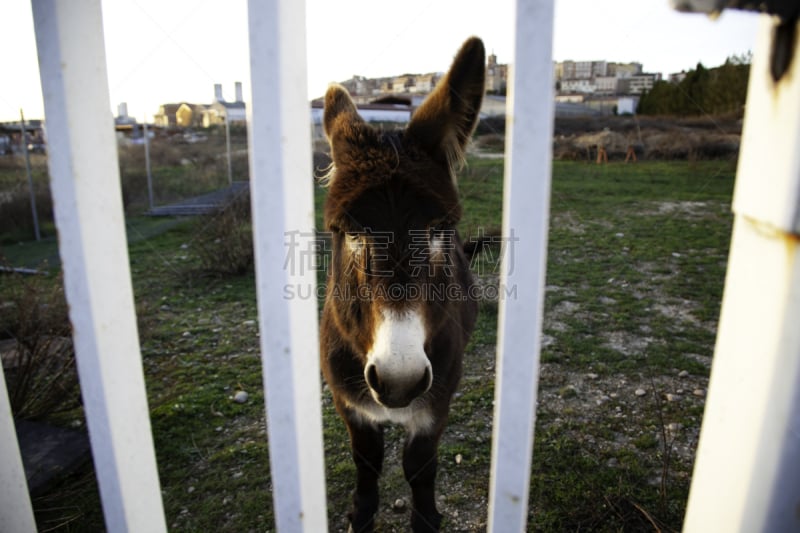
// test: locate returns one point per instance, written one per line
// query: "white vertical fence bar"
(283, 211)
(526, 204)
(747, 471)
(85, 184)
(16, 513)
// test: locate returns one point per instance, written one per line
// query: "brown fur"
(398, 184)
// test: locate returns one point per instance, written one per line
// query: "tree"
(702, 92)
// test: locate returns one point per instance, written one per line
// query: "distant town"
(582, 88)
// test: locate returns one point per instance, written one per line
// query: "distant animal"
(398, 312)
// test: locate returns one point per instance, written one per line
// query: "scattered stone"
(459, 458)
(237, 475)
(674, 427)
(592, 375)
(672, 397)
(683, 374)
(700, 393)
(240, 397)
(249, 323)
(613, 462)
(398, 505)
(619, 235)
(640, 392)
(187, 333)
(190, 490)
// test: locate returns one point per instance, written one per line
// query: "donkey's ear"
(444, 122)
(340, 111)
(343, 126)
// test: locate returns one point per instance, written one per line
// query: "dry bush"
(224, 245)
(40, 358)
(16, 219)
(491, 142)
(691, 145)
(565, 149)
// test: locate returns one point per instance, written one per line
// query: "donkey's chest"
(415, 418)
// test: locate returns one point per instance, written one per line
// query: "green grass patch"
(636, 262)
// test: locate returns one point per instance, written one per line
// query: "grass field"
(636, 265)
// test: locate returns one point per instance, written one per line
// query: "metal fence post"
(31, 190)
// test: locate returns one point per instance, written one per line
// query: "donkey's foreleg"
(367, 446)
(419, 466)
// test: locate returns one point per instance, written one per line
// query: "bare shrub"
(491, 142)
(39, 356)
(16, 218)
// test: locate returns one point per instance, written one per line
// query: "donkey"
(398, 311)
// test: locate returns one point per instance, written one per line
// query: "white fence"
(747, 474)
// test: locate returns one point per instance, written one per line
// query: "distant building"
(365, 90)
(606, 84)
(220, 110)
(496, 76)
(123, 120)
(179, 115)
(11, 137)
(626, 105)
(578, 85)
(425, 83)
(403, 84)
(638, 84)
(187, 115)
(567, 70)
(677, 77)
(583, 70)
(600, 85)
(623, 70)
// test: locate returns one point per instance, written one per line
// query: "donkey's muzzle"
(397, 391)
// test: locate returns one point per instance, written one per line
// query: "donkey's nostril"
(424, 383)
(372, 378)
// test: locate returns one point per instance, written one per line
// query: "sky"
(163, 51)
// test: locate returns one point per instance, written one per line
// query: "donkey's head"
(392, 209)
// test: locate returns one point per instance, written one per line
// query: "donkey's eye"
(354, 241)
(436, 230)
